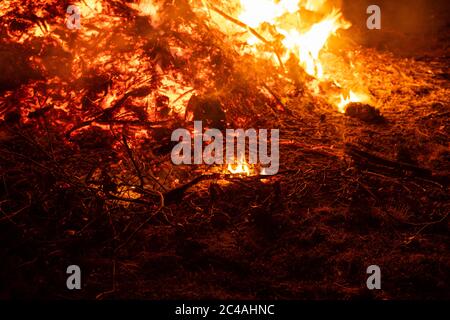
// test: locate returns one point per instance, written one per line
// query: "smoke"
(408, 26)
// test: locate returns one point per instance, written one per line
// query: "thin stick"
(130, 155)
(277, 99)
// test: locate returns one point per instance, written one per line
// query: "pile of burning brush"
(106, 82)
(92, 92)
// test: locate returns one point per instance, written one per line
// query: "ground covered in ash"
(354, 190)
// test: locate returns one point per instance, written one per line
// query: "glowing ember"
(240, 168)
(90, 8)
(352, 97)
(145, 7)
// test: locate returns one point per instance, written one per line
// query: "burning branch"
(250, 29)
(106, 115)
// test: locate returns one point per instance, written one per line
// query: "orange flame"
(90, 8)
(307, 46)
(145, 7)
(302, 27)
(352, 97)
(305, 43)
(241, 167)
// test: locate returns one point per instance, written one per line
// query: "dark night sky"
(407, 15)
(408, 26)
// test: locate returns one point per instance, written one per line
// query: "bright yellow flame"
(39, 31)
(303, 38)
(307, 46)
(285, 16)
(90, 8)
(314, 5)
(145, 7)
(255, 12)
(352, 97)
(241, 167)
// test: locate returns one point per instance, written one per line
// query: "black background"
(409, 27)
